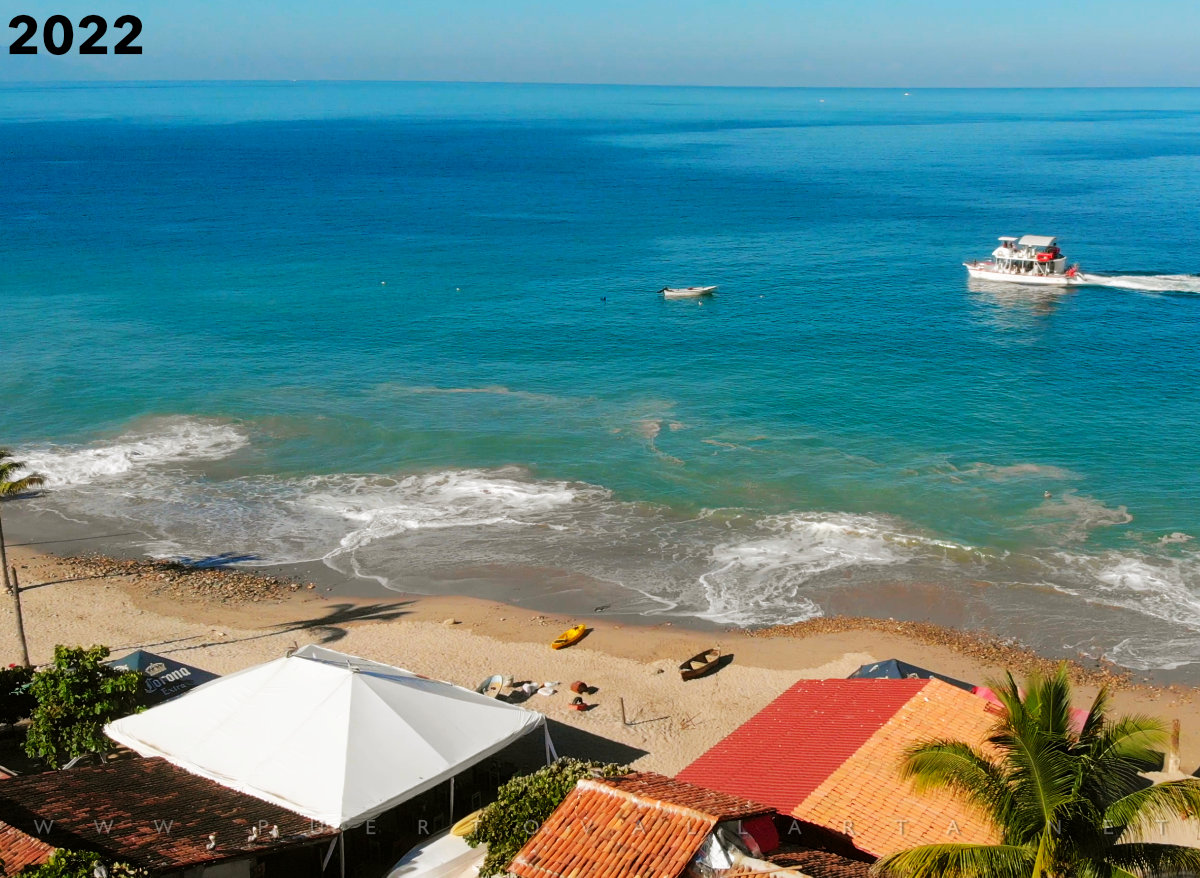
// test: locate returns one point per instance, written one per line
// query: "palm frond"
(10, 485)
(20, 486)
(1148, 860)
(1041, 772)
(960, 768)
(1169, 801)
(958, 861)
(1114, 758)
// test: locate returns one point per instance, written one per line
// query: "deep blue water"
(412, 329)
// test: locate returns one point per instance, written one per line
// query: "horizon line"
(499, 82)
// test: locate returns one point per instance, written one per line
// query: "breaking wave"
(168, 440)
(759, 581)
(169, 479)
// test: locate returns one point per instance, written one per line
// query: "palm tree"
(1066, 798)
(10, 486)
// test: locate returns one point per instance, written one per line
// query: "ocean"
(412, 331)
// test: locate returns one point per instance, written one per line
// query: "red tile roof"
(18, 850)
(866, 799)
(784, 752)
(642, 825)
(148, 812)
(828, 752)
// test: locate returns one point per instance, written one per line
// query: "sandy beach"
(224, 620)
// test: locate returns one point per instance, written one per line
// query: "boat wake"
(1149, 283)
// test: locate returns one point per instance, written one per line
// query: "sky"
(819, 43)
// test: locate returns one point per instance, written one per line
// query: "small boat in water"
(570, 636)
(686, 292)
(700, 664)
(1030, 259)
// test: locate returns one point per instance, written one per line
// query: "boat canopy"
(1035, 241)
(1007, 238)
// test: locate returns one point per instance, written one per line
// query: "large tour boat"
(1030, 259)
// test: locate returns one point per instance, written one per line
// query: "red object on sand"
(578, 687)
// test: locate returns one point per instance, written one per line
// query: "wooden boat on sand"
(700, 664)
(570, 636)
(492, 686)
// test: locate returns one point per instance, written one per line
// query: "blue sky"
(704, 42)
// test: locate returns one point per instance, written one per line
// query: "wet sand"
(224, 620)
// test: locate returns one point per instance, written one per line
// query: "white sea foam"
(170, 440)
(379, 507)
(759, 580)
(1153, 283)
(1162, 588)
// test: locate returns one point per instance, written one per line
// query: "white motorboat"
(1030, 259)
(686, 292)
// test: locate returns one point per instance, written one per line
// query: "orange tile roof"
(18, 850)
(866, 799)
(642, 825)
(787, 749)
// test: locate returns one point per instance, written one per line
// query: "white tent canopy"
(336, 738)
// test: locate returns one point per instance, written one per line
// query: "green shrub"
(79, 864)
(76, 696)
(524, 803)
(16, 701)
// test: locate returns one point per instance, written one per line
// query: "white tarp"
(336, 738)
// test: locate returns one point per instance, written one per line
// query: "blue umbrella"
(894, 669)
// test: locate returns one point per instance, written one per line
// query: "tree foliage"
(1065, 797)
(76, 696)
(9, 483)
(524, 803)
(80, 864)
(16, 701)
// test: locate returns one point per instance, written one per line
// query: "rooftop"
(642, 824)
(145, 811)
(18, 850)
(828, 752)
(784, 752)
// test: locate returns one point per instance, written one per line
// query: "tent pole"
(342, 854)
(551, 753)
(451, 801)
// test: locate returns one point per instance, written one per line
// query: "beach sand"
(223, 622)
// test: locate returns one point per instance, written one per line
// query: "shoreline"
(574, 597)
(225, 620)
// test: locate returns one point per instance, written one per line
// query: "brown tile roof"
(18, 850)
(821, 864)
(656, 787)
(148, 812)
(642, 825)
(866, 799)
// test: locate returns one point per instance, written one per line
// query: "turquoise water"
(412, 330)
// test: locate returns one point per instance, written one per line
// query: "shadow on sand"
(327, 628)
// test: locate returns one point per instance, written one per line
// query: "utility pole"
(15, 591)
(3, 555)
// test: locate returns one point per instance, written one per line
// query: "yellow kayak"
(571, 635)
